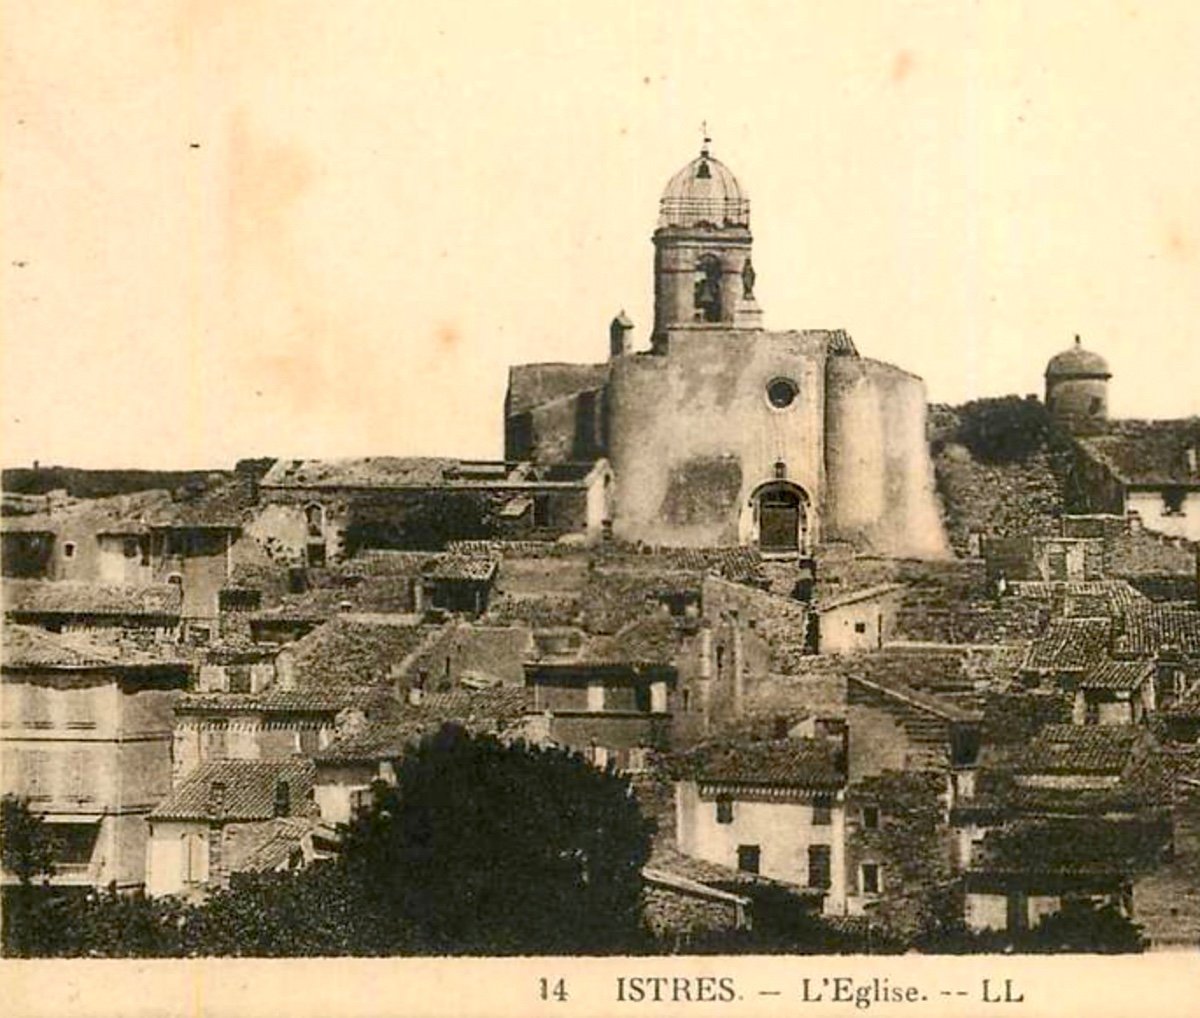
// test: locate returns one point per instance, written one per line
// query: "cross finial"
(707, 139)
(1078, 341)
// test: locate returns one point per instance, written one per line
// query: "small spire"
(1078, 341)
(707, 139)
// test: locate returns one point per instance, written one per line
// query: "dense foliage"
(490, 848)
(426, 523)
(482, 848)
(1006, 429)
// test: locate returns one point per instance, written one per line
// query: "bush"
(1007, 429)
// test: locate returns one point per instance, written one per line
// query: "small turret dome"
(704, 192)
(1076, 362)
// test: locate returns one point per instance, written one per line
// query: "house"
(369, 747)
(74, 607)
(26, 548)
(608, 696)
(1067, 650)
(456, 583)
(327, 510)
(856, 620)
(1168, 635)
(1148, 470)
(1115, 693)
(268, 725)
(86, 738)
(775, 808)
(1085, 811)
(196, 832)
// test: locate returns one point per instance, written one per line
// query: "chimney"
(216, 799)
(836, 732)
(283, 799)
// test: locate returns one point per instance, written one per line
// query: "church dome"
(1076, 362)
(705, 192)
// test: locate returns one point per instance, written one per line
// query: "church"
(723, 432)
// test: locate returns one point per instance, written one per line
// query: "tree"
(28, 853)
(1005, 429)
(28, 845)
(490, 848)
(1082, 926)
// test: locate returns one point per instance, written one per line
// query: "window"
(37, 777)
(69, 549)
(1173, 499)
(870, 878)
(176, 579)
(315, 554)
(314, 519)
(748, 858)
(870, 818)
(781, 393)
(724, 809)
(79, 777)
(79, 709)
(239, 678)
(74, 843)
(35, 705)
(822, 812)
(130, 547)
(860, 627)
(541, 510)
(215, 742)
(706, 294)
(193, 857)
(819, 866)
(687, 700)
(1095, 406)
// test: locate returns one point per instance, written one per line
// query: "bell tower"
(703, 273)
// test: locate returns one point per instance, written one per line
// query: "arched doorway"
(780, 515)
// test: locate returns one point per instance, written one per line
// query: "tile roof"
(1153, 453)
(841, 598)
(63, 597)
(461, 567)
(1082, 598)
(803, 763)
(392, 731)
(1152, 628)
(349, 653)
(249, 790)
(651, 641)
(1069, 645)
(1109, 674)
(322, 701)
(1081, 749)
(111, 514)
(28, 647)
(1083, 845)
(363, 472)
(264, 845)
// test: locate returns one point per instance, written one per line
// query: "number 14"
(556, 990)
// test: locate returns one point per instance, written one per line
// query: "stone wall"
(699, 416)
(880, 493)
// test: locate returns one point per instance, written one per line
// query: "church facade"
(723, 432)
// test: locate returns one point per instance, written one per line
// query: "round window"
(781, 392)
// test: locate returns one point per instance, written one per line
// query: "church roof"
(1076, 362)
(705, 191)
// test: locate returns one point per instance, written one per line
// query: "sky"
(255, 228)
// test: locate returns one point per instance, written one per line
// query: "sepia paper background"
(257, 227)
